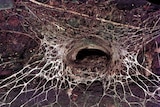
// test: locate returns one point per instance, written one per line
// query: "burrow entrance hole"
(93, 59)
(90, 53)
(92, 56)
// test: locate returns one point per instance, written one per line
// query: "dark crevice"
(92, 60)
(128, 4)
(42, 1)
(154, 1)
(84, 53)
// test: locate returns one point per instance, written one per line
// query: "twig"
(21, 33)
(84, 15)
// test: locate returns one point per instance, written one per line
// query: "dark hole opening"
(154, 2)
(42, 1)
(84, 53)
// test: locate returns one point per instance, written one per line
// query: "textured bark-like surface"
(79, 53)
